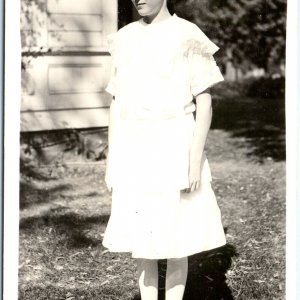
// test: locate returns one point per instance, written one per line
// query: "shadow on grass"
(260, 121)
(206, 278)
(72, 229)
(34, 172)
(31, 194)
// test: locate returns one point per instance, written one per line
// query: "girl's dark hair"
(171, 6)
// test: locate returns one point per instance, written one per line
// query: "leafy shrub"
(264, 87)
(267, 88)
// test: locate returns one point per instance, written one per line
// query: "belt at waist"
(144, 114)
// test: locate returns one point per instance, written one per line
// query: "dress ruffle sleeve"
(204, 72)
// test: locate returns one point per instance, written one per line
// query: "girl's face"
(149, 8)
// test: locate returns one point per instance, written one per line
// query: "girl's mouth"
(139, 5)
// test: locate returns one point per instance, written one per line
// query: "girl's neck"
(162, 15)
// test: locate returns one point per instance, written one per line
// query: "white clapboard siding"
(78, 6)
(64, 87)
(73, 118)
(75, 22)
(63, 84)
(67, 40)
(83, 24)
(66, 82)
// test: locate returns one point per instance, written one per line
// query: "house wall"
(65, 63)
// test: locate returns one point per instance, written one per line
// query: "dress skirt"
(173, 224)
(151, 215)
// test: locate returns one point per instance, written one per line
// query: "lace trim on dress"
(193, 46)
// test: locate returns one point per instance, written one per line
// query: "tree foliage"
(249, 32)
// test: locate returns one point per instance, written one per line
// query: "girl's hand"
(194, 174)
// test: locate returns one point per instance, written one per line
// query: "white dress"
(158, 69)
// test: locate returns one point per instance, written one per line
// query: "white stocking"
(148, 278)
(176, 278)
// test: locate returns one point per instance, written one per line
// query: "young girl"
(163, 206)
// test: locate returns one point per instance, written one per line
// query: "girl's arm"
(203, 122)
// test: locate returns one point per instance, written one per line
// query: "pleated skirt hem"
(166, 256)
(172, 224)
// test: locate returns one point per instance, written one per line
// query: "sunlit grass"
(64, 210)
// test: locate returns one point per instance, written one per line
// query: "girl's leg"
(148, 278)
(177, 270)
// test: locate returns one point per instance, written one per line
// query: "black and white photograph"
(152, 150)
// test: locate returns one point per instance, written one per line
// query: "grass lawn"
(64, 211)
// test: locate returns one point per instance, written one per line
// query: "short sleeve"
(204, 71)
